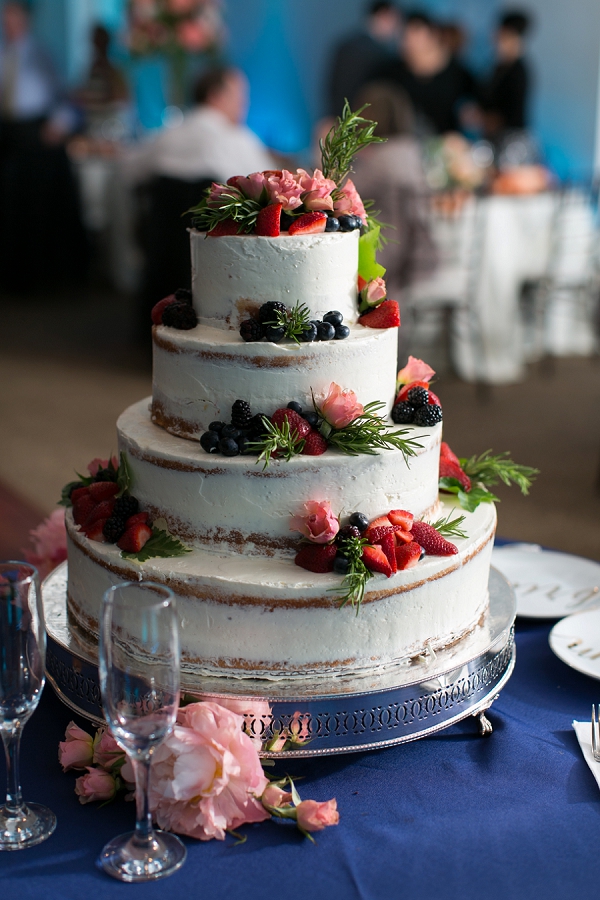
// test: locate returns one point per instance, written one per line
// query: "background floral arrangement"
(166, 25)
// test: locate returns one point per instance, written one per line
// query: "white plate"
(548, 585)
(576, 640)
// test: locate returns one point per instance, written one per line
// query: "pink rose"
(314, 816)
(98, 463)
(299, 727)
(349, 202)
(283, 188)
(107, 752)
(374, 292)
(49, 543)
(206, 776)
(274, 796)
(252, 186)
(216, 192)
(257, 716)
(319, 524)
(77, 749)
(415, 370)
(96, 785)
(340, 407)
(317, 189)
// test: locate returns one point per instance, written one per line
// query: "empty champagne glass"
(22, 663)
(139, 680)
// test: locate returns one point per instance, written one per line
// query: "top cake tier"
(232, 275)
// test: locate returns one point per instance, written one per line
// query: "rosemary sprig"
(279, 439)
(449, 527)
(232, 205)
(344, 140)
(353, 586)
(489, 470)
(294, 320)
(369, 433)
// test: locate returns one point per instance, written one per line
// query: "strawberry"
(309, 223)
(432, 541)
(82, 509)
(224, 228)
(375, 559)
(434, 400)
(380, 521)
(401, 517)
(447, 453)
(78, 493)
(449, 469)
(159, 308)
(297, 423)
(386, 315)
(375, 533)
(402, 536)
(101, 510)
(134, 538)
(315, 444)
(316, 557)
(103, 490)
(268, 219)
(408, 555)
(388, 545)
(135, 520)
(361, 283)
(403, 392)
(94, 531)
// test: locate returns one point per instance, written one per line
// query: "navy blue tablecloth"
(451, 816)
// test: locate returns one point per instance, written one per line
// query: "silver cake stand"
(397, 704)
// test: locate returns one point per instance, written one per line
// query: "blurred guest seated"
(503, 96)
(392, 176)
(357, 57)
(35, 174)
(105, 90)
(433, 78)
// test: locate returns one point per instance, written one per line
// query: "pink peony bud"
(374, 292)
(76, 751)
(415, 370)
(313, 816)
(274, 796)
(319, 524)
(96, 785)
(340, 407)
(106, 750)
(98, 463)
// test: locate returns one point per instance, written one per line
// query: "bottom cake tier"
(266, 618)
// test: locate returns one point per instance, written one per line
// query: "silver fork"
(596, 732)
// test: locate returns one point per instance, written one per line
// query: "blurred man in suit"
(503, 96)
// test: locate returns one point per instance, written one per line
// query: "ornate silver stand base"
(394, 705)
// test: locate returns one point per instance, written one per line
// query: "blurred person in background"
(105, 90)
(504, 94)
(35, 175)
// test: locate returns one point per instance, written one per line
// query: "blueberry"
(350, 223)
(341, 564)
(230, 431)
(242, 443)
(423, 553)
(309, 334)
(216, 427)
(342, 332)
(312, 419)
(325, 331)
(295, 406)
(285, 220)
(228, 447)
(274, 334)
(359, 520)
(332, 224)
(209, 441)
(315, 322)
(359, 221)
(334, 318)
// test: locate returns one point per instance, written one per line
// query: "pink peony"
(49, 543)
(340, 407)
(349, 202)
(319, 524)
(107, 752)
(77, 749)
(252, 186)
(206, 776)
(282, 187)
(314, 816)
(98, 463)
(317, 189)
(374, 292)
(275, 796)
(256, 713)
(415, 370)
(96, 785)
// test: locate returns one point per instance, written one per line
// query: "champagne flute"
(139, 680)
(22, 662)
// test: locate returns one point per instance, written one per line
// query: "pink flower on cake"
(49, 543)
(206, 776)
(314, 816)
(252, 185)
(318, 524)
(98, 463)
(374, 292)
(216, 192)
(77, 749)
(107, 752)
(340, 407)
(349, 202)
(317, 189)
(96, 785)
(275, 796)
(283, 188)
(415, 370)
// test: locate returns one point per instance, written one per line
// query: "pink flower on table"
(96, 785)
(349, 203)
(300, 727)
(415, 370)
(206, 776)
(257, 716)
(314, 816)
(273, 795)
(98, 463)
(374, 292)
(318, 524)
(340, 407)
(252, 185)
(49, 543)
(77, 749)
(317, 189)
(107, 752)
(282, 187)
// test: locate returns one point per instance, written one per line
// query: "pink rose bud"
(275, 796)
(313, 816)
(98, 463)
(252, 186)
(76, 751)
(415, 370)
(374, 292)
(106, 750)
(319, 524)
(340, 407)
(96, 785)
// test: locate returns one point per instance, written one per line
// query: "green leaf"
(295, 795)
(123, 474)
(368, 267)
(161, 544)
(470, 500)
(278, 439)
(489, 470)
(341, 144)
(449, 527)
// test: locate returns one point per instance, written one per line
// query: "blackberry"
(125, 506)
(428, 415)
(210, 441)
(312, 418)
(183, 294)
(341, 333)
(341, 564)
(360, 521)
(256, 425)
(217, 427)
(274, 333)
(114, 528)
(295, 406)
(251, 330)
(403, 413)
(348, 531)
(418, 396)
(325, 331)
(241, 414)
(332, 224)
(268, 311)
(334, 318)
(180, 315)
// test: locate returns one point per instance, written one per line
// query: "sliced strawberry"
(380, 521)
(447, 453)
(402, 536)
(375, 533)
(309, 223)
(103, 490)
(432, 541)
(94, 531)
(386, 315)
(434, 400)
(408, 555)
(268, 220)
(101, 510)
(316, 557)
(361, 283)
(449, 469)
(297, 423)
(401, 517)
(375, 559)
(225, 228)
(135, 520)
(159, 308)
(315, 444)
(134, 538)
(79, 493)
(388, 545)
(82, 509)
(403, 392)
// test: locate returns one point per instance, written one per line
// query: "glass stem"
(11, 738)
(143, 823)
